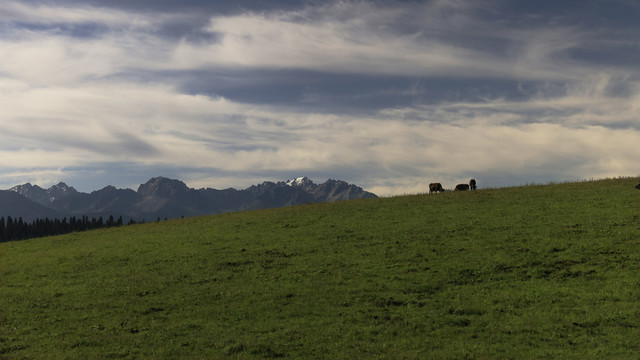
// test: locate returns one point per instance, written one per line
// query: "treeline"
(13, 229)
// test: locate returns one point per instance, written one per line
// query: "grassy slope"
(518, 273)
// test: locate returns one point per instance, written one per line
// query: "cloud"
(159, 128)
(362, 38)
(433, 39)
(79, 105)
(14, 11)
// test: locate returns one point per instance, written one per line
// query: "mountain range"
(162, 197)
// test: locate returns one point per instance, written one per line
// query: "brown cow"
(461, 187)
(435, 187)
(472, 184)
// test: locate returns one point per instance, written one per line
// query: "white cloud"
(16, 11)
(360, 38)
(342, 37)
(167, 128)
(66, 103)
(46, 60)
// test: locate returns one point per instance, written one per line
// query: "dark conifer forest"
(17, 229)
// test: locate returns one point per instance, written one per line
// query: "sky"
(389, 95)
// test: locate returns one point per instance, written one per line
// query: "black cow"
(472, 184)
(638, 186)
(435, 187)
(461, 187)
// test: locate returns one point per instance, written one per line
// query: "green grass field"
(534, 272)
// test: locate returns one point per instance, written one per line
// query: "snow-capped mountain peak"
(44, 196)
(301, 181)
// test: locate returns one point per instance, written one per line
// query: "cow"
(472, 184)
(638, 186)
(435, 187)
(461, 187)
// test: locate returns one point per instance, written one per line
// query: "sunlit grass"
(541, 271)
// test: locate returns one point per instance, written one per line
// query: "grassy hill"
(534, 272)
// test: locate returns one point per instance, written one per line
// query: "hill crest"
(541, 271)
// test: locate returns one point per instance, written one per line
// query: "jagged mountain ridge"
(44, 196)
(162, 197)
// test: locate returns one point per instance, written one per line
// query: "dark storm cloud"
(337, 93)
(206, 6)
(87, 30)
(587, 13)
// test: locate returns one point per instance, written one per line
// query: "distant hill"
(162, 197)
(17, 206)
